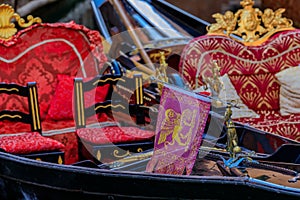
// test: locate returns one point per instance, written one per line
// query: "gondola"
(270, 174)
(267, 166)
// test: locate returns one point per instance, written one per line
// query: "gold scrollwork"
(116, 154)
(7, 27)
(9, 90)
(113, 106)
(108, 79)
(11, 116)
(253, 25)
(139, 150)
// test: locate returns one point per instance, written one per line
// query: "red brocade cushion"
(251, 69)
(61, 106)
(113, 134)
(28, 143)
(271, 121)
(42, 51)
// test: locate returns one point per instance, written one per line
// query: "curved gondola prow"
(195, 26)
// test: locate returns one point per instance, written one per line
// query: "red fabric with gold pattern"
(114, 134)
(251, 70)
(42, 51)
(29, 142)
(272, 122)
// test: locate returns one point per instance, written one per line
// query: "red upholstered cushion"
(113, 134)
(272, 122)
(42, 51)
(251, 69)
(61, 106)
(29, 143)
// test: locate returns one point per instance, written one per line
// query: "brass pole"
(120, 10)
(139, 65)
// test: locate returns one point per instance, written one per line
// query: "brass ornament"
(232, 138)
(7, 27)
(60, 160)
(251, 24)
(215, 84)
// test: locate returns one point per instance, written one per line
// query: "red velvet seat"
(30, 143)
(108, 141)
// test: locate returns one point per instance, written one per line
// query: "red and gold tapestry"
(180, 125)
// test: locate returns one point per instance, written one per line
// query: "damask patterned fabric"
(252, 71)
(28, 142)
(42, 51)
(114, 134)
(273, 122)
(39, 53)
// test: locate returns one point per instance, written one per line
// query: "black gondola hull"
(23, 178)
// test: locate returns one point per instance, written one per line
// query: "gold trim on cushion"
(7, 28)
(251, 24)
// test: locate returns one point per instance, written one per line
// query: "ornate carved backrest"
(42, 51)
(250, 46)
(251, 24)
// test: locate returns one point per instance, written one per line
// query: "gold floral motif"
(7, 27)
(251, 24)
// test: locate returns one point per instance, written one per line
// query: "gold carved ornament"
(7, 26)
(232, 137)
(251, 24)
